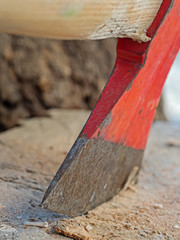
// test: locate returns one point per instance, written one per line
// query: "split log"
(78, 19)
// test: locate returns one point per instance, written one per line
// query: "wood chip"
(36, 224)
(177, 226)
(158, 206)
(173, 143)
(130, 178)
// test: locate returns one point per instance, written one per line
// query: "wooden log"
(78, 19)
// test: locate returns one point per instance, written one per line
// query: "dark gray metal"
(93, 172)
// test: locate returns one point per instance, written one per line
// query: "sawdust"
(147, 210)
(125, 217)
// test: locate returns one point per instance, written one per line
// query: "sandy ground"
(31, 154)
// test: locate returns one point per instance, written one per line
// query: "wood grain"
(78, 19)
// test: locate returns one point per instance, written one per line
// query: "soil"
(30, 156)
(39, 74)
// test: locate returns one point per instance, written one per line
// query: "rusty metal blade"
(93, 172)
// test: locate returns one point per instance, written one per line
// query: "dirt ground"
(30, 156)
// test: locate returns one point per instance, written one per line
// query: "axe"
(111, 143)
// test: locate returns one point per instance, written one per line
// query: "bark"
(39, 74)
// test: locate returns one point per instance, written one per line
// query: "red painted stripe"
(132, 116)
(130, 56)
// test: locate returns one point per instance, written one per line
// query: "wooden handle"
(78, 19)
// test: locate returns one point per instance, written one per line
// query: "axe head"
(113, 139)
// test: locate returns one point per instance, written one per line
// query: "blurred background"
(171, 92)
(39, 74)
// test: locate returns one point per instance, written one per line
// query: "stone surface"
(30, 156)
